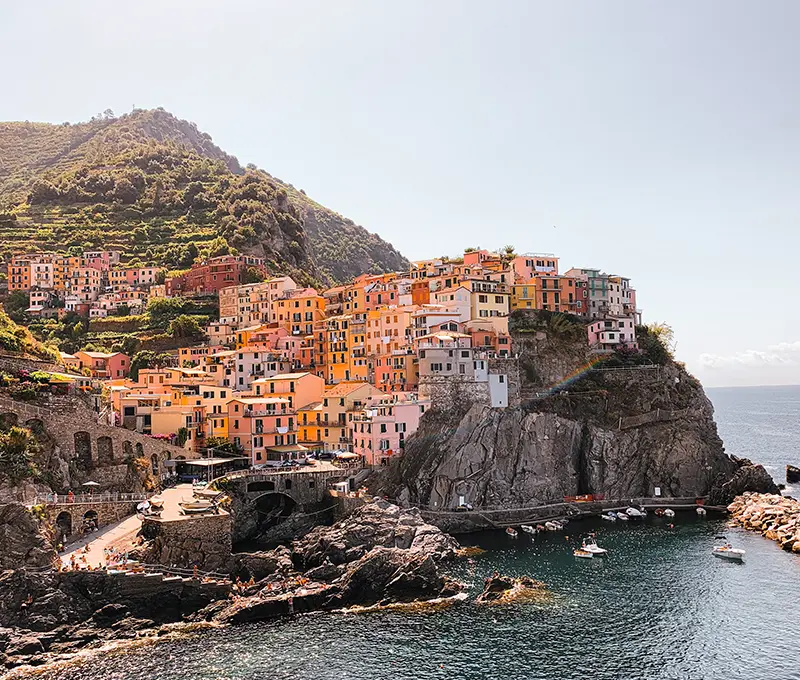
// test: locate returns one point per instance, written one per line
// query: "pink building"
(611, 333)
(104, 364)
(380, 430)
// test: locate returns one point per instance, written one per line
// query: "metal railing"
(86, 498)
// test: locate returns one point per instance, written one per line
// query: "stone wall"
(204, 542)
(106, 513)
(101, 449)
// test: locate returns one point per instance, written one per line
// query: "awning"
(289, 448)
(210, 462)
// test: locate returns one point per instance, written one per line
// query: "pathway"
(119, 534)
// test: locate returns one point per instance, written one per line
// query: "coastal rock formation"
(377, 524)
(776, 517)
(621, 434)
(501, 589)
(748, 477)
(379, 554)
(46, 615)
(22, 542)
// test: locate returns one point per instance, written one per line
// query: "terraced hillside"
(157, 188)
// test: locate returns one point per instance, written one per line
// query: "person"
(70, 497)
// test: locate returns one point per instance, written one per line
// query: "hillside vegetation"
(157, 188)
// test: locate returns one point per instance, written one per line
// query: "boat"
(728, 552)
(580, 552)
(195, 506)
(622, 516)
(528, 529)
(512, 532)
(553, 526)
(634, 513)
(659, 512)
(609, 517)
(702, 512)
(540, 527)
(669, 512)
(590, 545)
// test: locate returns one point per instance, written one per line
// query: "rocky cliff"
(622, 433)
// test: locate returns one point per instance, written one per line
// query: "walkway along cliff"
(621, 432)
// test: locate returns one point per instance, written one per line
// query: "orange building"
(297, 310)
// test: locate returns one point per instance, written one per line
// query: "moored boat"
(590, 545)
(622, 516)
(195, 506)
(528, 529)
(553, 526)
(512, 533)
(669, 512)
(579, 552)
(634, 513)
(609, 517)
(659, 512)
(702, 512)
(728, 552)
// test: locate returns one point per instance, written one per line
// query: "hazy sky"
(658, 140)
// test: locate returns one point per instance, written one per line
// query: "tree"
(657, 342)
(253, 275)
(140, 360)
(17, 449)
(184, 326)
(161, 277)
(221, 445)
(16, 303)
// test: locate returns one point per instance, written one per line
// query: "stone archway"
(265, 485)
(154, 464)
(90, 520)
(139, 450)
(63, 526)
(8, 420)
(83, 449)
(37, 427)
(272, 508)
(105, 450)
(127, 450)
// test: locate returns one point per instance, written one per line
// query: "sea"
(659, 607)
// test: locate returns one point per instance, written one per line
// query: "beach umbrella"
(90, 484)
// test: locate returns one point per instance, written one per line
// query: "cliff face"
(621, 433)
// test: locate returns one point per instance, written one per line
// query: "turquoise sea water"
(660, 607)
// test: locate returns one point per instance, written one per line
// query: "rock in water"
(377, 524)
(748, 477)
(498, 588)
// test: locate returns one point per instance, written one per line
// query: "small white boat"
(512, 532)
(622, 516)
(609, 517)
(728, 552)
(634, 513)
(528, 529)
(195, 506)
(592, 547)
(553, 526)
(669, 512)
(702, 512)
(585, 554)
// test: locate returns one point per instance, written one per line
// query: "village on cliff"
(288, 370)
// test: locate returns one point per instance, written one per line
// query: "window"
(483, 298)
(436, 367)
(465, 354)
(383, 428)
(502, 379)
(498, 299)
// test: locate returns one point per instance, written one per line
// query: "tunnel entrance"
(272, 509)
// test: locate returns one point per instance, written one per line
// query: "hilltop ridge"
(159, 189)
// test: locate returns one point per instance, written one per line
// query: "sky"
(657, 140)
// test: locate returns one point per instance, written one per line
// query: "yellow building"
(326, 424)
(298, 310)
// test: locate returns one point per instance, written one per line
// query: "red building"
(212, 275)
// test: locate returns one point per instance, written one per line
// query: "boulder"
(22, 542)
(498, 588)
(377, 524)
(747, 477)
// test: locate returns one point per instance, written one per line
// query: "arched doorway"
(272, 509)
(90, 521)
(63, 526)
(105, 450)
(154, 463)
(83, 449)
(7, 421)
(37, 427)
(127, 450)
(139, 450)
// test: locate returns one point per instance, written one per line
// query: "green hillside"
(160, 190)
